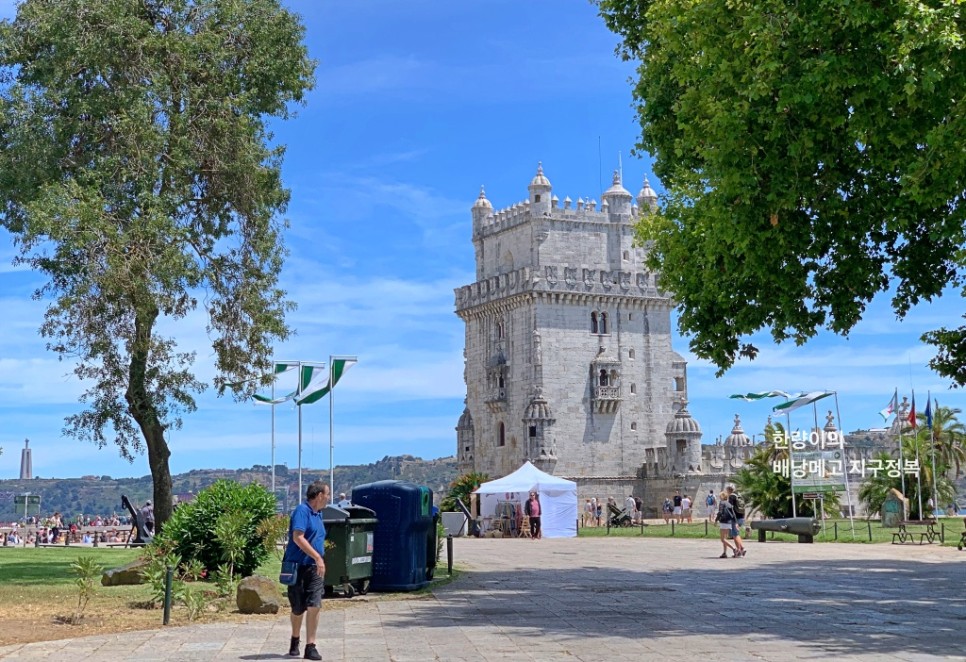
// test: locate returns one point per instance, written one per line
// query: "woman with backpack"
(725, 519)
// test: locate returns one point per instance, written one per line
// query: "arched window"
(633, 389)
(630, 354)
(603, 323)
(633, 427)
(614, 378)
(602, 380)
(593, 322)
(502, 440)
(500, 330)
(500, 381)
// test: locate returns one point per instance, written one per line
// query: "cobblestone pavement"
(615, 599)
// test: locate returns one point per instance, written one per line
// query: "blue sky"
(416, 105)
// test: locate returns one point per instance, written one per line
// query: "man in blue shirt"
(306, 547)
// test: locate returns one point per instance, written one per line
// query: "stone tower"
(26, 462)
(568, 359)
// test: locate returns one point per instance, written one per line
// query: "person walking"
(738, 503)
(306, 548)
(686, 509)
(532, 510)
(725, 518)
(678, 510)
(712, 505)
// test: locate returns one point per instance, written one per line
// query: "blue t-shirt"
(310, 522)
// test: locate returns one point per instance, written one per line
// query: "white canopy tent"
(558, 498)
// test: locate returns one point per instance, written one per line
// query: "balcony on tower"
(605, 377)
(496, 377)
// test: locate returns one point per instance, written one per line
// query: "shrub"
(461, 488)
(192, 527)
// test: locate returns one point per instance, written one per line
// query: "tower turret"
(617, 199)
(647, 198)
(540, 191)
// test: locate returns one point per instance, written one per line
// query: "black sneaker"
(293, 648)
(311, 652)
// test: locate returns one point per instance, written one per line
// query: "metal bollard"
(449, 554)
(870, 531)
(706, 528)
(836, 530)
(672, 527)
(168, 578)
(942, 533)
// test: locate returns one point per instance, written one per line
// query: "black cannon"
(143, 534)
(805, 528)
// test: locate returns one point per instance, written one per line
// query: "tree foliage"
(461, 488)
(137, 175)
(812, 156)
(223, 524)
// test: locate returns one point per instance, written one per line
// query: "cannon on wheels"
(143, 534)
(805, 528)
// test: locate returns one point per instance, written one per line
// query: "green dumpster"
(348, 548)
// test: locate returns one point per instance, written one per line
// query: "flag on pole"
(929, 410)
(751, 397)
(280, 367)
(801, 401)
(320, 388)
(912, 412)
(891, 407)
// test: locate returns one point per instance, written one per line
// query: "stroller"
(618, 517)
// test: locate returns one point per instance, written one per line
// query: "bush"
(192, 528)
(461, 488)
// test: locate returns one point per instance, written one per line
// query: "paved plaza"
(615, 599)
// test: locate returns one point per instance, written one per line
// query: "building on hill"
(568, 359)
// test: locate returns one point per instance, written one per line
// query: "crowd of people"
(55, 529)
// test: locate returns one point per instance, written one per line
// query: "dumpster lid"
(336, 514)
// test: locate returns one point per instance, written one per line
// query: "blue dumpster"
(405, 513)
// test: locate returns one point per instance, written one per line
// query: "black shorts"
(307, 590)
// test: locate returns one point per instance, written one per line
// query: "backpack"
(739, 505)
(709, 500)
(725, 514)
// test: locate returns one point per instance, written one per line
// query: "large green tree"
(137, 174)
(812, 156)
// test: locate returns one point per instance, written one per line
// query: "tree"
(812, 158)
(461, 488)
(138, 176)
(948, 436)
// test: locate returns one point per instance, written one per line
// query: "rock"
(125, 575)
(258, 595)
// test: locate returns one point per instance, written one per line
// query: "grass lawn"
(838, 530)
(37, 591)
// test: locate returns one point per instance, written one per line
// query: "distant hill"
(102, 494)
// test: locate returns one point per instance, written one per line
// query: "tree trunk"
(143, 411)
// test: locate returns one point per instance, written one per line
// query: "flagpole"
(848, 489)
(300, 431)
(331, 444)
(932, 445)
(918, 464)
(273, 432)
(791, 462)
(902, 461)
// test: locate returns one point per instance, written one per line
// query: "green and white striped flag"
(280, 368)
(319, 386)
(761, 395)
(801, 401)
